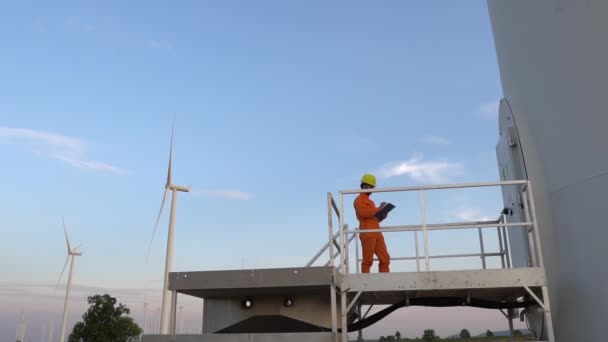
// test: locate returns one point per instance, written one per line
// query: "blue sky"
(276, 105)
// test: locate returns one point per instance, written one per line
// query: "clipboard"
(383, 213)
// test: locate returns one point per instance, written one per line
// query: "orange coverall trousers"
(371, 243)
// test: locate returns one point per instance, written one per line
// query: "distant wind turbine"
(72, 253)
(145, 316)
(169, 186)
(22, 334)
(20, 328)
(157, 321)
(51, 331)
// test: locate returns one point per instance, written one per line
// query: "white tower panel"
(553, 60)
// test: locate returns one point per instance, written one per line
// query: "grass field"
(491, 339)
(478, 339)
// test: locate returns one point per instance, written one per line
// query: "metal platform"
(507, 287)
(318, 303)
(290, 337)
(267, 316)
(310, 289)
(390, 288)
(235, 283)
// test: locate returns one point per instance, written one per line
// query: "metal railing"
(332, 209)
(346, 235)
(501, 230)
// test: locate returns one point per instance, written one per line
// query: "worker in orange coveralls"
(372, 243)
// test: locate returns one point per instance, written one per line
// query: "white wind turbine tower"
(20, 328)
(22, 336)
(157, 321)
(18, 333)
(72, 253)
(145, 316)
(51, 331)
(169, 186)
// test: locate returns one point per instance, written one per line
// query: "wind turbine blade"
(160, 212)
(170, 172)
(65, 231)
(63, 270)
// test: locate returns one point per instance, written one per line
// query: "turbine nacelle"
(71, 252)
(76, 252)
(178, 188)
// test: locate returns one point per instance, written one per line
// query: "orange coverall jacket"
(371, 243)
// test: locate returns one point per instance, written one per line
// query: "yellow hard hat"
(368, 178)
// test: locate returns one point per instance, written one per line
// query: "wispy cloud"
(470, 215)
(433, 171)
(435, 140)
(489, 109)
(51, 290)
(70, 150)
(42, 27)
(87, 27)
(93, 165)
(80, 25)
(160, 45)
(226, 194)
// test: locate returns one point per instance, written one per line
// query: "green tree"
(517, 333)
(398, 335)
(382, 338)
(489, 333)
(464, 333)
(105, 322)
(428, 335)
(390, 338)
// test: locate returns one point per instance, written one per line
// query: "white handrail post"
(506, 241)
(549, 319)
(330, 229)
(343, 269)
(332, 289)
(531, 250)
(334, 308)
(417, 252)
(500, 247)
(424, 231)
(536, 232)
(342, 237)
(344, 316)
(357, 254)
(483, 253)
(347, 241)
